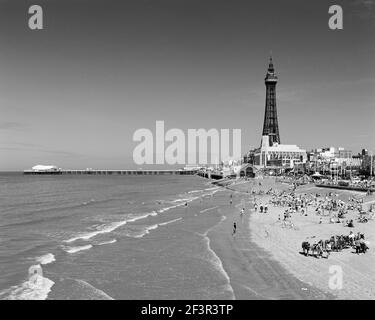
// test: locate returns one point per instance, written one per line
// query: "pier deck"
(112, 172)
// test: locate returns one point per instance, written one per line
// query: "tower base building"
(278, 155)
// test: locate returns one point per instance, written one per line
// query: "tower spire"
(270, 64)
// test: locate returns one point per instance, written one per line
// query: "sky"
(74, 93)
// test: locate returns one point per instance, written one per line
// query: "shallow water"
(108, 237)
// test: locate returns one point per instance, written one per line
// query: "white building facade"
(278, 155)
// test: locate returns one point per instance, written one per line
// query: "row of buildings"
(340, 162)
(273, 155)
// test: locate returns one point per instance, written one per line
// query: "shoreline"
(253, 272)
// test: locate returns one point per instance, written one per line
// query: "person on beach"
(362, 244)
(261, 208)
(242, 212)
(357, 246)
(234, 228)
(265, 208)
(351, 238)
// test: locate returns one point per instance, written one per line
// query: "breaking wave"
(36, 287)
(77, 249)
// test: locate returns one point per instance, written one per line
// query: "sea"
(108, 237)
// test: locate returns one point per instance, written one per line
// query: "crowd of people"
(336, 243)
(368, 185)
(326, 204)
(323, 205)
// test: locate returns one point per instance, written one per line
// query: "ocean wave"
(213, 188)
(217, 264)
(137, 217)
(46, 259)
(107, 242)
(146, 230)
(168, 222)
(104, 229)
(214, 259)
(179, 203)
(185, 199)
(196, 191)
(208, 209)
(36, 287)
(211, 193)
(140, 233)
(77, 249)
(107, 228)
(166, 209)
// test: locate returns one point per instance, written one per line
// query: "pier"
(112, 172)
(210, 175)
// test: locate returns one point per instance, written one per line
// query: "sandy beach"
(283, 244)
(252, 272)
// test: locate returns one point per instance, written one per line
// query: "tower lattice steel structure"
(270, 125)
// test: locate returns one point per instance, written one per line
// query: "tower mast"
(270, 124)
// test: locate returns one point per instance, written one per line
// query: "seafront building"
(333, 161)
(45, 168)
(340, 162)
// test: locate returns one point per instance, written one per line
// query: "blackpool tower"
(270, 125)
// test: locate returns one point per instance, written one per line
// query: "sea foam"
(107, 228)
(168, 222)
(36, 287)
(216, 261)
(46, 259)
(107, 242)
(77, 249)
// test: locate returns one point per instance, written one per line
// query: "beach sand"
(252, 271)
(284, 244)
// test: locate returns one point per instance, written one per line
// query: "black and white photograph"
(187, 150)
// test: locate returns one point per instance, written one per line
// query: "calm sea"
(108, 237)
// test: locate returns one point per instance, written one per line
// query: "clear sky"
(74, 93)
